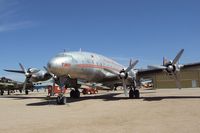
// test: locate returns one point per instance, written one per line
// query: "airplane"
(67, 68)
(70, 69)
(33, 75)
(9, 85)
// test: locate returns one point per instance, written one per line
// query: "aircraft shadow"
(18, 97)
(104, 97)
(159, 98)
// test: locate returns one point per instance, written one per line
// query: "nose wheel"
(61, 100)
(134, 94)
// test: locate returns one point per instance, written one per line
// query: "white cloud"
(10, 18)
(15, 26)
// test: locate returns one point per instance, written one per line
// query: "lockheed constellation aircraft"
(71, 69)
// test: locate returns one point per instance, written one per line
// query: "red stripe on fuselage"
(65, 65)
(96, 66)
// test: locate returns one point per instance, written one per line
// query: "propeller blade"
(23, 68)
(178, 56)
(156, 67)
(25, 82)
(15, 71)
(131, 66)
(124, 87)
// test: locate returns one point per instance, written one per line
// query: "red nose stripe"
(66, 65)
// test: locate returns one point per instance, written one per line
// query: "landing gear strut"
(75, 93)
(8, 92)
(133, 93)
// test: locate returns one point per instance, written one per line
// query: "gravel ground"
(158, 111)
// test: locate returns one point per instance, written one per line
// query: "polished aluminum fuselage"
(85, 66)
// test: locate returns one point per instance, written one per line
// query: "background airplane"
(10, 85)
(33, 75)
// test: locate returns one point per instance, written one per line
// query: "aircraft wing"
(142, 72)
(191, 65)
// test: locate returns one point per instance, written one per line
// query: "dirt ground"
(158, 111)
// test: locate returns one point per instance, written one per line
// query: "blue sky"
(33, 31)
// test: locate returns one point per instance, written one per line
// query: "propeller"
(28, 74)
(171, 67)
(124, 75)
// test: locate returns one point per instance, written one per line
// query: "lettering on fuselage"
(65, 65)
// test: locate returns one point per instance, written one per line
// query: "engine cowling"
(171, 68)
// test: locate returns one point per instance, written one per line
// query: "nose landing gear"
(61, 100)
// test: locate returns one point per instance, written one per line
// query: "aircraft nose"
(52, 64)
(55, 65)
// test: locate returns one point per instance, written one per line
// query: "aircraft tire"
(131, 94)
(26, 92)
(2, 92)
(72, 94)
(77, 94)
(61, 100)
(137, 94)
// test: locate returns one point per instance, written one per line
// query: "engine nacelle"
(33, 70)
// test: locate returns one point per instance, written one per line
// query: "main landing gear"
(75, 93)
(133, 93)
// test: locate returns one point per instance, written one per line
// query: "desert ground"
(157, 111)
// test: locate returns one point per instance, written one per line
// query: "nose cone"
(57, 65)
